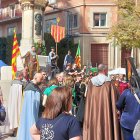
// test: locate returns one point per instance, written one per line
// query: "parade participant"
(30, 107)
(26, 74)
(81, 108)
(122, 84)
(100, 119)
(130, 108)
(15, 102)
(31, 62)
(56, 114)
(60, 77)
(68, 60)
(53, 83)
(78, 81)
(53, 57)
(44, 82)
(69, 82)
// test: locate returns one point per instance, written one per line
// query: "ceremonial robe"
(30, 109)
(100, 119)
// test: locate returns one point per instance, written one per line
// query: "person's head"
(33, 48)
(84, 67)
(68, 66)
(19, 75)
(38, 78)
(121, 77)
(43, 72)
(102, 69)
(52, 49)
(53, 81)
(60, 76)
(68, 81)
(78, 78)
(58, 102)
(74, 66)
(69, 52)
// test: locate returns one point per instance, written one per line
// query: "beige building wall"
(86, 32)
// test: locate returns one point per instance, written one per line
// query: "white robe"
(14, 105)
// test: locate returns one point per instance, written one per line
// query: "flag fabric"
(78, 56)
(58, 32)
(15, 54)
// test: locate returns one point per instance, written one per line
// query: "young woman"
(56, 123)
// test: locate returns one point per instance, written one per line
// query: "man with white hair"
(100, 120)
(30, 109)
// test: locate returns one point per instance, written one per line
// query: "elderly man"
(101, 122)
(30, 109)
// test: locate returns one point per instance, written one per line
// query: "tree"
(127, 29)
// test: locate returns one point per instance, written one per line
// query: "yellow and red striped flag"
(58, 32)
(78, 56)
(15, 54)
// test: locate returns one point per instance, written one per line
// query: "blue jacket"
(130, 108)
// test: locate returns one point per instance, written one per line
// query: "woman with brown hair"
(56, 123)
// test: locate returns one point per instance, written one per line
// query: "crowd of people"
(74, 104)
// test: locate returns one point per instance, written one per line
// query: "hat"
(93, 69)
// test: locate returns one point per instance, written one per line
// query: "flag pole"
(58, 20)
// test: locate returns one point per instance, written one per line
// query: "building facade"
(86, 20)
(10, 17)
(90, 22)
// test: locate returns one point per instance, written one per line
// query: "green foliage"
(127, 29)
(63, 46)
(8, 42)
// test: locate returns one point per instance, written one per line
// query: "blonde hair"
(68, 81)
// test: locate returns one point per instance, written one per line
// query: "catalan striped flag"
(15, 54)
(78, 56)
(58, 32)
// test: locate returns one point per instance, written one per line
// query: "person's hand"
(119, 115)
(1, 99)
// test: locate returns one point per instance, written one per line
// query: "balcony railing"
(11, 15)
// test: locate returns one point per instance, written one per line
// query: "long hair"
(59, 101)
(68, 81)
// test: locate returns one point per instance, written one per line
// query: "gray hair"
(18, 73)
(101, 67)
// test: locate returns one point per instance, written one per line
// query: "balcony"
(11, 15)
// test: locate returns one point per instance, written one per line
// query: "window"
(48, 24)
(10, 31)
(73, 20)
(99, 19)
(12, 10)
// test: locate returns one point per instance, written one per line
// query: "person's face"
(21, 77)
(121, 77)
(33, 49)
(53, 50)
(69, 52)
(60, 78)
(39, 79)
(85, 67)
(74, 66)
(44, 75)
